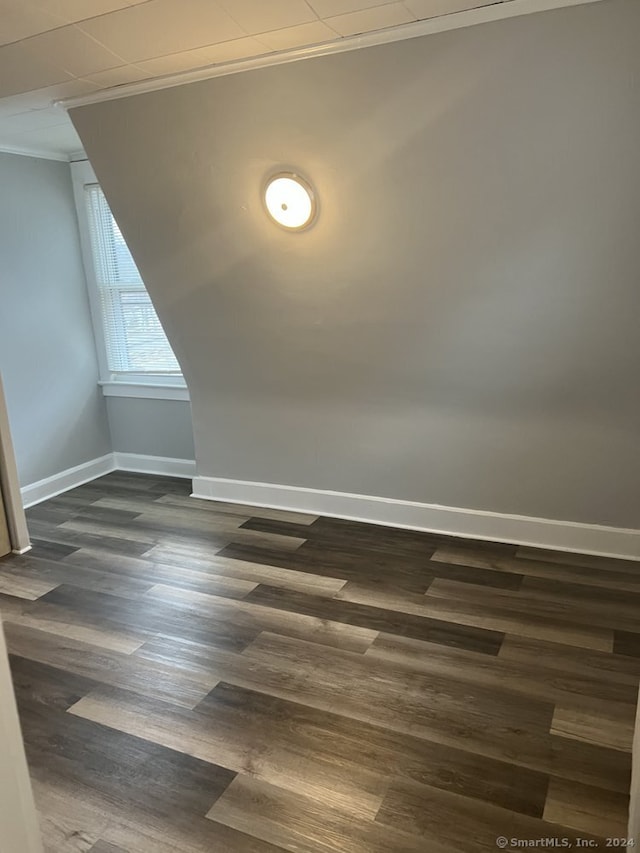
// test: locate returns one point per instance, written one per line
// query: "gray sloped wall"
(460, 325)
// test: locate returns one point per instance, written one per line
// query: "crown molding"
(39, 153)
(498, 11)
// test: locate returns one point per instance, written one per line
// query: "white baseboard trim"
(465, 523)
(164, 465)
(35, 493)
(42, 490)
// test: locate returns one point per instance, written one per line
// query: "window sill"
(146, 391)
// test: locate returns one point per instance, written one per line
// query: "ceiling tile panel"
(262, 16)
(71, 11)
(39, 99)
(65, 89)
(162, 27)
(229, 51)
(314, 32)
(188, 60)
(20, 71)
(24, 19)
(34, 120)
(432, 8)
(368, 20)
(9, 109)
(174, 63)
(118, 76)
(329, 8)
(61, 139)
(73, 51)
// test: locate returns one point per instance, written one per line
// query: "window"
(135, 342)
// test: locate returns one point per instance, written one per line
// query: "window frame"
(159, 386)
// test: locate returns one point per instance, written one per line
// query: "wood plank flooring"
(201, 677)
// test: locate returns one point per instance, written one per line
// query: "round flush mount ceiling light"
(290, 201)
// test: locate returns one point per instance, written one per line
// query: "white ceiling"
(51, 49)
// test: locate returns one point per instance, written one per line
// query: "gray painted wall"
(460, 325)
(47, 352)
(151, 427)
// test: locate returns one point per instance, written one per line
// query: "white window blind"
(134, 338)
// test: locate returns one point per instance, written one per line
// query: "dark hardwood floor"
(197, 677)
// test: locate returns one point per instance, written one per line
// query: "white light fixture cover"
(290, 201)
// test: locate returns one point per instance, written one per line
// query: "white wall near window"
(47, 352)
